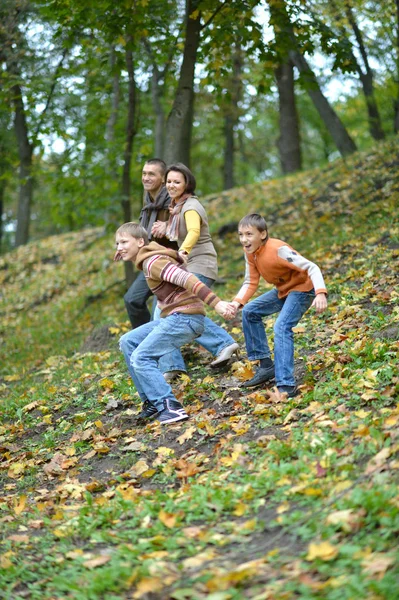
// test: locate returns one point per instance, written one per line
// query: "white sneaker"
(224, 356)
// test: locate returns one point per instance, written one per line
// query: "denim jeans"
(291, 309)
(136, 301)
(144, 346)
(214, 339)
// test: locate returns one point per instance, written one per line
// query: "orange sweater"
(281, 266)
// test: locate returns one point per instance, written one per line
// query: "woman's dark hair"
(187, 174)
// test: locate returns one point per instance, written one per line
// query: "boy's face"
(251, 238)
(152, 178)
(128, 246)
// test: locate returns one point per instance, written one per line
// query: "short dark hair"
(187, 174)
(157, 161)
(133, 229)
(254, 220)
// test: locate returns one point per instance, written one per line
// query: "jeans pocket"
(196, 325)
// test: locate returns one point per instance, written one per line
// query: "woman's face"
(175, 184)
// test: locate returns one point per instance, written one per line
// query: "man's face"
(152, 178)
(128, 246)
(251, 238)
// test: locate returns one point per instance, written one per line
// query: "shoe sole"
(245, 384)
(222, 363)
(174, 419)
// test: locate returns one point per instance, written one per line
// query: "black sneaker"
(148, 411)
(290, 390)
(262, 375)
(173, 411)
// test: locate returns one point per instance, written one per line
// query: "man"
(156, 203)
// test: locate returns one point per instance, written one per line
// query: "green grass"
(256, 496)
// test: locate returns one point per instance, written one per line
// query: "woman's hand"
(158, 230)
(184, 255)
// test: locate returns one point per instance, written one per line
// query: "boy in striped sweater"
(298, 285)
(181, 297)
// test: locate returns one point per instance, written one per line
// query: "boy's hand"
(225, 310)
(159, 229)
(117, 256)
(320, 303)
(235, 306)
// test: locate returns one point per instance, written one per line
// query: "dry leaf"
(322, 550)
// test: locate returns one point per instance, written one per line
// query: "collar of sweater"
(152, 249)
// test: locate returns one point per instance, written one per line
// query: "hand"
(184, 256)
(320, 303)
(117, 256)
(158, 230)
(225, 310)
(235, 306)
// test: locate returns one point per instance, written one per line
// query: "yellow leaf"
(164, 451)
(16, 470)
(323, 550)
(139, 468)
(283, 508)
(186, 435)
(5, 562)
(20, 506)
(31, 406)
(12, 377)
(240, 509)
(236, 331)
(208, 379)
(106, 383)
(299, 329)
(148, 585)
(168, 519)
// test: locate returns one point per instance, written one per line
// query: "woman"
(188, 225)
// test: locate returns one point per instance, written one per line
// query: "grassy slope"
(255, 496)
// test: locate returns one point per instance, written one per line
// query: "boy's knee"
(137, 359)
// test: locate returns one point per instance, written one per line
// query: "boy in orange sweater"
(181, 297)
(298, 285)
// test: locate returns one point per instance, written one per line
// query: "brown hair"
(135, 230)
(187, 174)
(254, 220)
(157, 161)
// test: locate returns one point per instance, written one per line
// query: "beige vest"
(202, 259)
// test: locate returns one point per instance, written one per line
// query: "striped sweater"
(282, 266)
(176, 289)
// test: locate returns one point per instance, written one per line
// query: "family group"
(173, 251)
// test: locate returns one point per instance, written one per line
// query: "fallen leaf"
(322, 550)
(97, 561)
(168, 519)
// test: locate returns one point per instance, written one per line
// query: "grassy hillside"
(256, 496)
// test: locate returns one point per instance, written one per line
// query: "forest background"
(239, 90)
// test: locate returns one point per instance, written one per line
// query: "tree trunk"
(156, 95)
(2, 188)
(25, 152)
(231, 118)
(289, 143)
(179, 122)
(396, 105)
(366, 79)
(127, 155)
(336, 128)
(110, 127)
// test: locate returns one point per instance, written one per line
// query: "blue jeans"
(136, 301)
(144, 346)
(291, 309)
(214, 339)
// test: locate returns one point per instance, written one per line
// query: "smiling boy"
(181, 297)
(298, 283)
